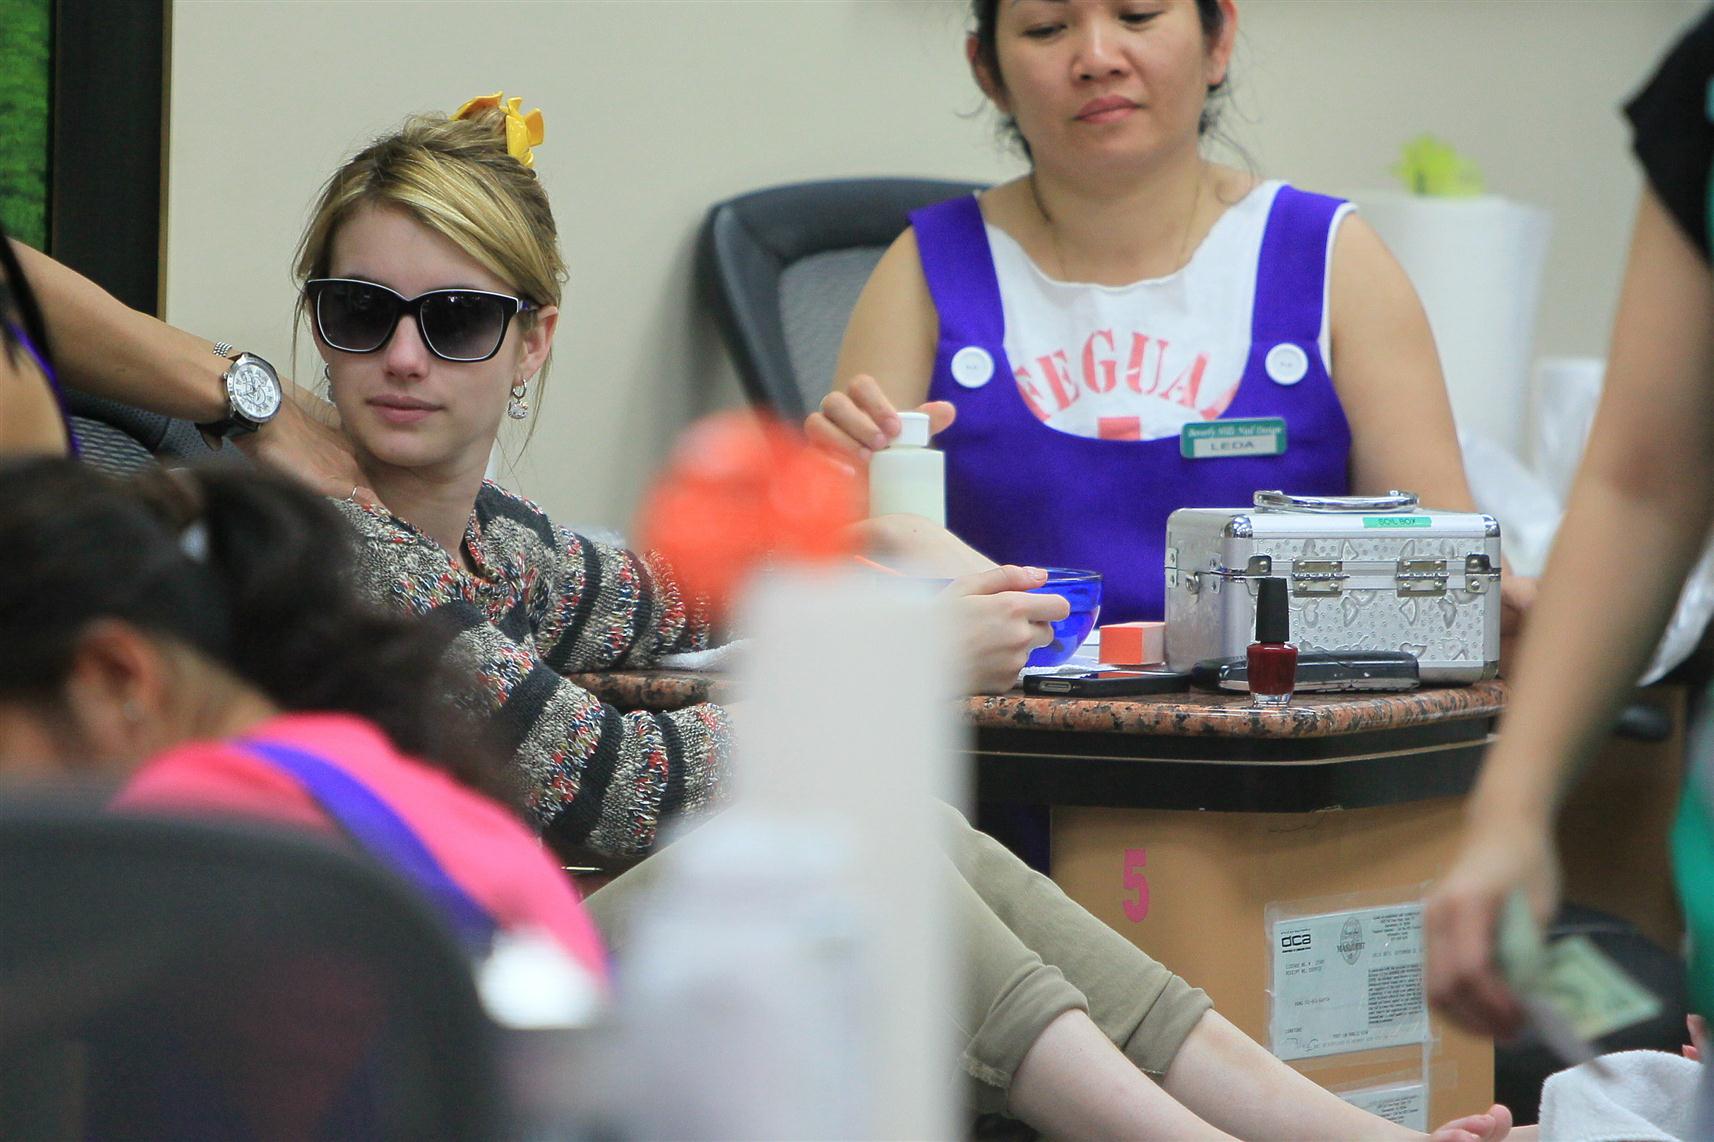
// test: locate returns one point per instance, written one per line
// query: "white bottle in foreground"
(908, 476)
(747, 988)
(790, 975)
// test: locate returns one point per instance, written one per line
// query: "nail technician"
(1130, 327)
(1645, 484)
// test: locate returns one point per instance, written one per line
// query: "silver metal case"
(1373, 573)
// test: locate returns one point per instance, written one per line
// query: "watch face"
(255, 393)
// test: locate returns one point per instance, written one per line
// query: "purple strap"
(953, 248)
(952, 245)
(1290, 287)
(381, 832)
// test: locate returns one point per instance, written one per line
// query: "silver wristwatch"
(253, 394)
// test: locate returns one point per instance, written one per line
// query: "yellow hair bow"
(522, 131)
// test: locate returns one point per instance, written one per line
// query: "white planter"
(1477, 264)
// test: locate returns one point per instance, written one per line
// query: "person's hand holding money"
(1500, 856)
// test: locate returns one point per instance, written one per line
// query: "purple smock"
(1022, 492)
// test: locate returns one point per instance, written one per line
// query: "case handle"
(1393, 501)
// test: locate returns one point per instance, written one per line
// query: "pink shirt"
(482, 846)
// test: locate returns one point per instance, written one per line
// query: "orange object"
(741, 490)
(1133, 644)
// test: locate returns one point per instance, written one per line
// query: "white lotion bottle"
(908, 476)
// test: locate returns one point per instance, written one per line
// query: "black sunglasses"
(463, 325)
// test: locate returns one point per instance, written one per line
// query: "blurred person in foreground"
(1640, 513)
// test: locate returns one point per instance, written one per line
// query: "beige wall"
(657, 108)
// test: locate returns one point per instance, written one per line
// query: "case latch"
(1420, 577)
(1314, 577)
(1478, 572)
(1256, 567)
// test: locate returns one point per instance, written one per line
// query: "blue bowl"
(1082, 589)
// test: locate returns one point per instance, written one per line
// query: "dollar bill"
(1572, 991)
(1591, 991)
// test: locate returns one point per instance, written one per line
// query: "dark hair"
(250, 571)
(986, 13)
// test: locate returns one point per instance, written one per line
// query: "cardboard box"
(1191, 889)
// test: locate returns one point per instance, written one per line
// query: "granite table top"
(1188, 714)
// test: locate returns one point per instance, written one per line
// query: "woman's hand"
(1501, 854)
(999, 622)
(306, 443)
(860, 420)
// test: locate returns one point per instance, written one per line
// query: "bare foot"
(1489, 1127)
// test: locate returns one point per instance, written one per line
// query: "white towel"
(714, 658)
(1647, 1096)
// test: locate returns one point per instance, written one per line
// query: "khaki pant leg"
(1008, 995)
(1030, 955)
(1142, 1007)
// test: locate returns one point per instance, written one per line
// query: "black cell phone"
(1077, 683)
(1320, 671)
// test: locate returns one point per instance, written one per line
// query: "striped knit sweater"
(547, 602)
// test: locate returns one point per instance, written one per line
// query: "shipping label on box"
(1347, 981)
(1404, 1104)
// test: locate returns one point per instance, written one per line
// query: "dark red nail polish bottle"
(1272, 659)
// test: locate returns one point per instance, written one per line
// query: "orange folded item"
(1133, 644)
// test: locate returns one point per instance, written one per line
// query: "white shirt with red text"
(1139, 361)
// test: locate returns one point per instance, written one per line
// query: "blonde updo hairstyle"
(455, 177)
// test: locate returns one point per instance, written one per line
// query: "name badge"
(1217, 439)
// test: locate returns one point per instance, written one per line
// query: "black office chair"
(782, 269)
(121, 439)
(168, 979)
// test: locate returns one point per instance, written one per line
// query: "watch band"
(225, 349)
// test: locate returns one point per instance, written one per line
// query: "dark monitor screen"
(82, 87)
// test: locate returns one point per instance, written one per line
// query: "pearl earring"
(518, 408)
